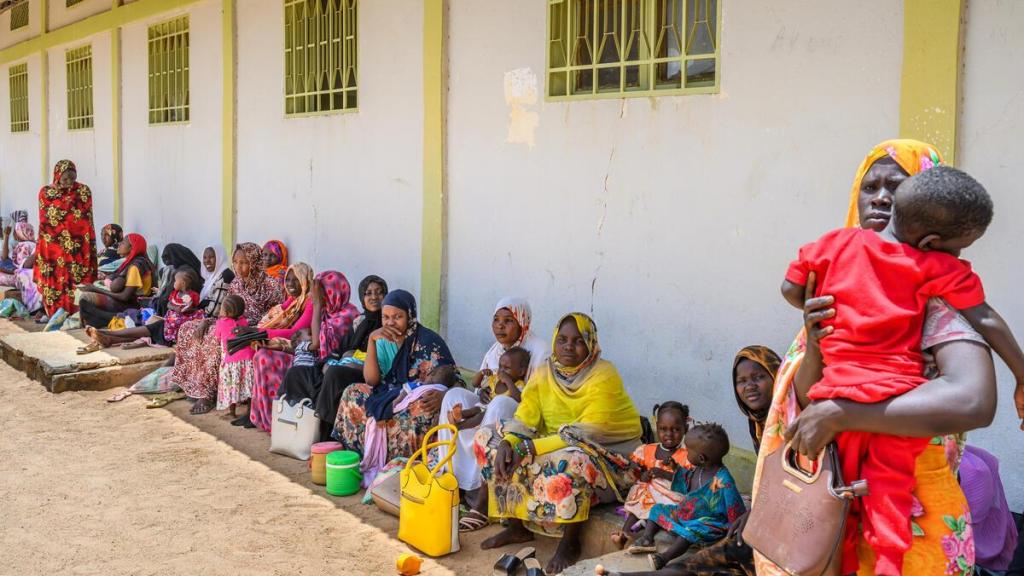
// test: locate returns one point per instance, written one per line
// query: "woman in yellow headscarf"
(566, 448)
(960, 398)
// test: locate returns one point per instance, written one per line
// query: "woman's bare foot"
(133, 345)
(568, 551)
(98, 337)
(202, 406)
(619, 538)
(515, 533)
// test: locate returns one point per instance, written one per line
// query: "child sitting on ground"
(658, 464)
(183, 304)
(236, 370)
(881, 283)
(509, 381)
(709, 502)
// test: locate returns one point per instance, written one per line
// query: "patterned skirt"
(235, 383)
(269, 367)
(174, 320)
(405, 430)
(197, 361)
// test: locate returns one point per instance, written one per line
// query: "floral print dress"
(703, 515)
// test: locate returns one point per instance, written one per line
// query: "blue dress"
(705, 514)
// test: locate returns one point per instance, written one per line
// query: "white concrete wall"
(90, 149)
(20, 153)
(172, 172)
(670, 219)
(343, 191)
(992, 151)
(61, 15)
(10, 37)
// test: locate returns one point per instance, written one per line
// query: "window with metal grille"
(19, 16)
(19, 97)
(79, 69)
(168, 72)
(319, 56)
(615, 48)
(71, 3)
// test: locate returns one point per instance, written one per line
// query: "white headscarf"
(211, 278)
(539, 349)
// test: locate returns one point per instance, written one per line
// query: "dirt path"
(88, 487)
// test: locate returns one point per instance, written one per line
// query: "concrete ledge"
(52, 359)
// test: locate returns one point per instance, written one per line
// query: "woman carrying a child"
(134, 278)
(330, 320)
(198, 353)
(19, 258)
(399, 352)
(961, 396)
(471, 409)
(566, 448)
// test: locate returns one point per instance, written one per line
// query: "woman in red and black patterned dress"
(66, 251)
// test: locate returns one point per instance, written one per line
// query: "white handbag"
(293, 429)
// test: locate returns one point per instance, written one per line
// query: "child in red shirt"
(881, 283)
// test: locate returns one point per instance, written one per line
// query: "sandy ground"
(88, 487)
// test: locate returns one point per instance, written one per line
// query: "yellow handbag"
(428, 518)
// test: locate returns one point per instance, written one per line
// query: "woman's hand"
(1018, 401)
(815, 427)
(816, 310)
(385, 332)
(204, 326)
(506, 461)
(430, 402)
(736, 529)
(7, 232)
(319, 297)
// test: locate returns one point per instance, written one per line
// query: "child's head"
(446, 375)
(232, 307)
(515, 362)
(706, 444)
(941, 209)
(186, 280)
(672, 420)
(300, 336)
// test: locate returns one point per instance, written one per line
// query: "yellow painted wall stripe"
(115, 117)
(44, 103)
(96, 24)
(930, 91)
(228, 125)
(433, 237)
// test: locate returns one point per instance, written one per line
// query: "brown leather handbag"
(799, 517)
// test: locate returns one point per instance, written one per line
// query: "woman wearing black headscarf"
(344, 367)
(174, 256)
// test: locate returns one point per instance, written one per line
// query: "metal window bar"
(608, 48)
(19, 16)
(169, 71)
(320, 56)
(79, 88)
(19, 97)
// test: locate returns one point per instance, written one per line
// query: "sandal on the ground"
(473, 521)
(509, 563)
(120, 396)
(642, 545)
(657, 561)
(161, 400)
(533, 567)
(89, 348)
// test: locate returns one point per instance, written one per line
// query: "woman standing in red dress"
(66, 251)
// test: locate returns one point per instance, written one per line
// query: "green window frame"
(169, 72)
(71, 3)
(79, 87)
(320, 72)
(623, 48)
(19, 16)
(19, 97)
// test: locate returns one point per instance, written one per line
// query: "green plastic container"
(343, 475)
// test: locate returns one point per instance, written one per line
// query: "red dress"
(66, 251)
(881, 290)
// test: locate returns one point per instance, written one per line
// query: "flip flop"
(642, 545)
(161, 400)
(508, 564)
(120, 396)
(473, 521)
(533, 567)
(89, 348)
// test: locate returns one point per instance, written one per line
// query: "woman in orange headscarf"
(66, 250)
(960, 398)
(275, 260)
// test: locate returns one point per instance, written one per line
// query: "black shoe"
(241, 421)
(248, 422)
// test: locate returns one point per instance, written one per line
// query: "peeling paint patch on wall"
(521, 97)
